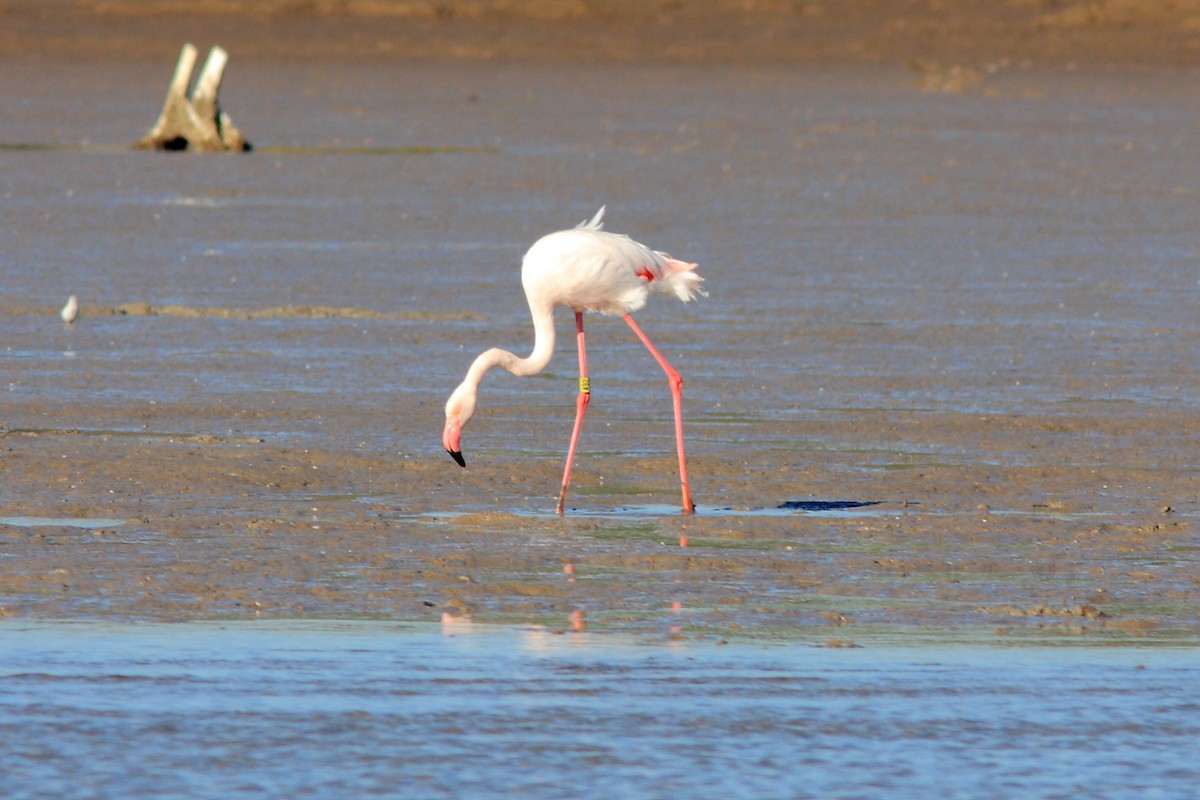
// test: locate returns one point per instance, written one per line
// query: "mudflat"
(971, 33)
(945, 380)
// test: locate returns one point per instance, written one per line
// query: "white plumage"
(589, 269)
(70, 311)
(585, 269)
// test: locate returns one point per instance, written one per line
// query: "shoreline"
(1082, 34)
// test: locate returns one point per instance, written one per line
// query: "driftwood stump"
(195, 122)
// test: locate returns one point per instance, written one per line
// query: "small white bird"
(70, 311)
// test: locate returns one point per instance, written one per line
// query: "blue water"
(372, 709)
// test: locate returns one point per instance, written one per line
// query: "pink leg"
(676, 383)
(581, 404)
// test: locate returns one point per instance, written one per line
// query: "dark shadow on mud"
(825, 505)
(831, 508)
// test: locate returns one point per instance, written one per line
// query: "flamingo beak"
(451, 437)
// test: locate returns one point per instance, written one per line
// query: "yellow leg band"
(585, 385)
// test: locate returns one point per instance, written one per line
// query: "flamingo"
(585, 269)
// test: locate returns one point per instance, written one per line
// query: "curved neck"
(543, 350)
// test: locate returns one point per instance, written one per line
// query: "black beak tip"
(458, 457)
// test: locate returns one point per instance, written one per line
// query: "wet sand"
(951, 323)
(969, 34)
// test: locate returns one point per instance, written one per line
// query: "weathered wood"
(195, 122)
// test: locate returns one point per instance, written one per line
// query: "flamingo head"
(459, 409)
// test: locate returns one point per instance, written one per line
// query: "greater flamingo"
(584, 269)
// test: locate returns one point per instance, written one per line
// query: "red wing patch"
(645, 274)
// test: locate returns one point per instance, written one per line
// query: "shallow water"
(934, 401)
(968, 317)
(867, 246)
(64, 522)
(338, 709)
